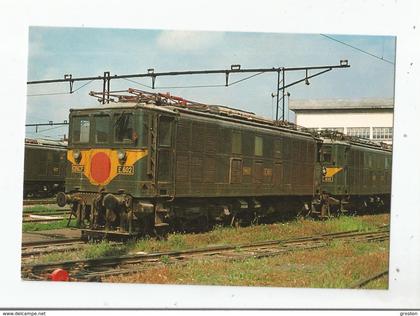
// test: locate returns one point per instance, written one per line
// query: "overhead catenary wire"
(191, 87)
(89, 82)
(136, 82)
(48, 129)
(243, 79)
(209, 85)
(59, 93)
(42, 94)
(106, 78)
(358, 49)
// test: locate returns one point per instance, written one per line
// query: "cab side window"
(326, 154)
(165, 131)
(80, 129)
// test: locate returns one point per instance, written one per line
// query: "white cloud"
(188, 41)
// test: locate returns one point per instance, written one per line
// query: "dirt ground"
(50, 234)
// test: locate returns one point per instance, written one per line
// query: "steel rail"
(27, 213)
(369, 279)
(95, 275)
(37, 251)
(37, 202)
(49, 242)
(45, 220)
(208, 251)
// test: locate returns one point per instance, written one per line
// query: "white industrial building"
(367, 118)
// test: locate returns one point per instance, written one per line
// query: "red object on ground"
(100, 167)
(59, 275)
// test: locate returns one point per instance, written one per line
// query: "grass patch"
(347, 223)
(221, 236)
(338, 267)
(89, 251)
(58, 256)
(43, 208)
(30, 227)
(104, 249)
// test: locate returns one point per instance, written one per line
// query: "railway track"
(363, 282)
(43, 219)
(45, 216)
(37, 248)
(95, 269)
(47, 212)
(39, 201)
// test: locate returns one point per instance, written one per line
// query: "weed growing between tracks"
(104, 249)
(29, 227)
(338, 266)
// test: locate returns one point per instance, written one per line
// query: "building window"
(382, 133)
(361, 132)
(334, 129)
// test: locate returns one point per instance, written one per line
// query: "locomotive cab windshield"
(124, 131)
(104, 129)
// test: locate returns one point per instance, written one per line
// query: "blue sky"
(54, 52)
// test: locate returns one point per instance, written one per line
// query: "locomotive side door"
(165, 156)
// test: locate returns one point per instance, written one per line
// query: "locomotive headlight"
(77, 155)
(122, 155)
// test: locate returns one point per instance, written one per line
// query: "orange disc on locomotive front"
(100, 167)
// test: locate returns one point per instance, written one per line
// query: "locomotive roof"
(220, 112)
(164, 102)
(339, 138)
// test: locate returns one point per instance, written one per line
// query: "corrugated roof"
(341, 104)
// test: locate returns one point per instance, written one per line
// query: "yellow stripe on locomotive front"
(101, 166)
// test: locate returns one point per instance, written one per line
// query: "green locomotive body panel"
(217, 157)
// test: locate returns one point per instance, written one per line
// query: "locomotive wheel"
(161, 233)
(235, 222)
(256, 219)
(306, 211)
(325, 211)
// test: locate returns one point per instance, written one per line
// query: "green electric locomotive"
(45, 167)
(152, 162)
